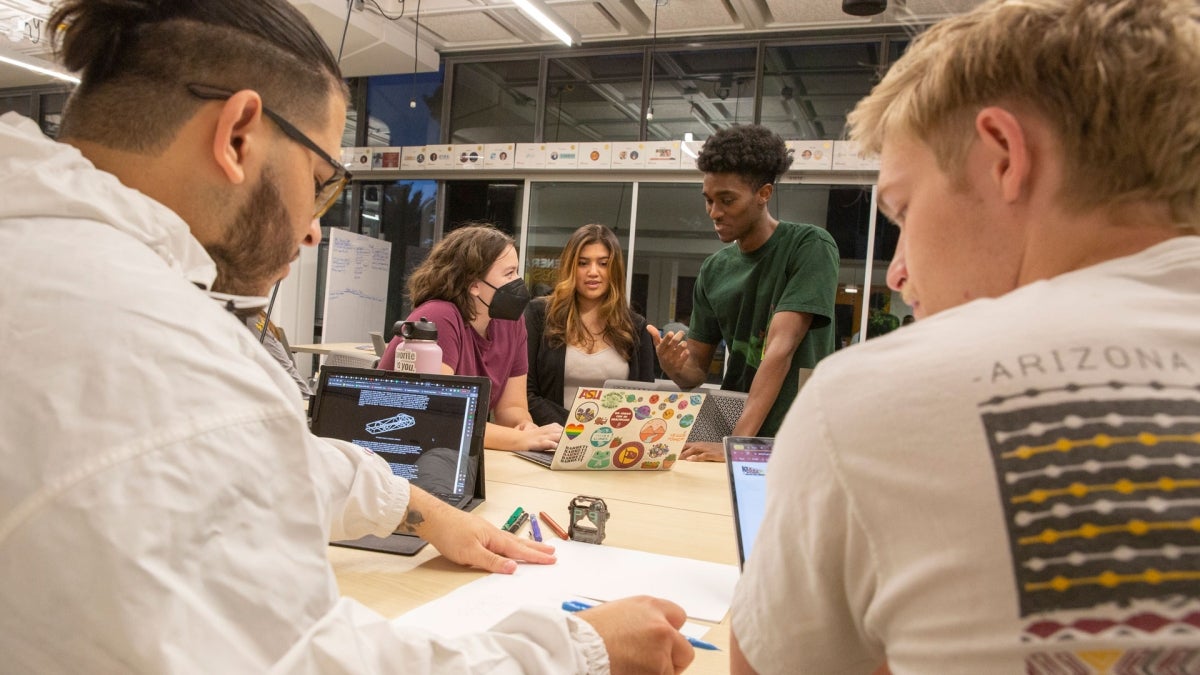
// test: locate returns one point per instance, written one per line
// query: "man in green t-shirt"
(770, 297)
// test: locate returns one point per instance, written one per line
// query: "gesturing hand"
(672, 350)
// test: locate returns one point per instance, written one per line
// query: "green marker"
(512, 520)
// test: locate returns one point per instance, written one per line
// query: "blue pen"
(577, 606)
(534, 529)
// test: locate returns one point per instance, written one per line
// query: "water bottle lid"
(424, 329)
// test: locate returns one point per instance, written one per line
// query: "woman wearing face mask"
(470, 286)
(584, 333)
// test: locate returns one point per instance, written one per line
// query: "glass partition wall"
(666, 235)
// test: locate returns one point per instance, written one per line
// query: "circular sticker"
(611, 399)
(652, 431)
(628, 455)
(642, 412)
(601, 437)
(683, 403)
(653, 398)
(668, 414)
(586, 412)
(686, 420)
(620, 417)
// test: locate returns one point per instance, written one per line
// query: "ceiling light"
(40, 70)
(864, 7)
(535, 10)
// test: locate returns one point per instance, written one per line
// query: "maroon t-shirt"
(499, 356)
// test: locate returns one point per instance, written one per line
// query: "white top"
(997, 489)
(163, 507)
(581, 369)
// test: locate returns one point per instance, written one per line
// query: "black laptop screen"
(428, 428)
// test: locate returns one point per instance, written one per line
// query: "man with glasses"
(163, 506)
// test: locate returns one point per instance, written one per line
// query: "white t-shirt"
(1009, 486)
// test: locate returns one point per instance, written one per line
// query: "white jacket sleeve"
(352, 639)
(364, 496)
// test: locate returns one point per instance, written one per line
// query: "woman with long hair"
(470, 287)
(584, 332)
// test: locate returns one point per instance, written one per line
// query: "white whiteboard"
(356, 282)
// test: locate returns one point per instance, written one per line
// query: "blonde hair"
(1117, 80)
(564, 325)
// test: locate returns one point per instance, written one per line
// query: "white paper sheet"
(583, 571)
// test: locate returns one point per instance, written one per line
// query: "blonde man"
(1012, 484)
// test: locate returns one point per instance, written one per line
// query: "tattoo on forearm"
(411, 520)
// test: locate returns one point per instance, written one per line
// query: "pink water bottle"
(419, 351)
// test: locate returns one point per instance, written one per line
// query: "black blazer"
(544, 384)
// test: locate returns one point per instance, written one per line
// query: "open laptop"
(747, 458)
(612, 429)
(428, 427)
(721, 412)
(717, 417)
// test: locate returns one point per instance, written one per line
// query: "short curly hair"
(751, 151)
(458, 260)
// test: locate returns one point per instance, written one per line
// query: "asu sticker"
(589, 394)
(652, 431)
(628, 455)
(620, 417)
(601, 437)
(573, 431)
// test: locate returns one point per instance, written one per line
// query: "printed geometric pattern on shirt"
(1166, 661)
(1101, 499)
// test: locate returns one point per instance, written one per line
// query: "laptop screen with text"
(746, 459)
(429, 428)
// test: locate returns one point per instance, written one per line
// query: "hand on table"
(642, 635)
(468, 539)
(544, 437)
(703, 452)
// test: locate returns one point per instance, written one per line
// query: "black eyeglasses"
(326, 192)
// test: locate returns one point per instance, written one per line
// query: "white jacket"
(163, 507)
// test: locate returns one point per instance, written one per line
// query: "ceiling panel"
(378, 45)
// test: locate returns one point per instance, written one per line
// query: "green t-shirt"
(737, 293)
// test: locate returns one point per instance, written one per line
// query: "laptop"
(722, 409)
(611, 429)
(718, 415)
(429, 428)
(747, 458)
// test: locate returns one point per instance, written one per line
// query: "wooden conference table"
(683, 512)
